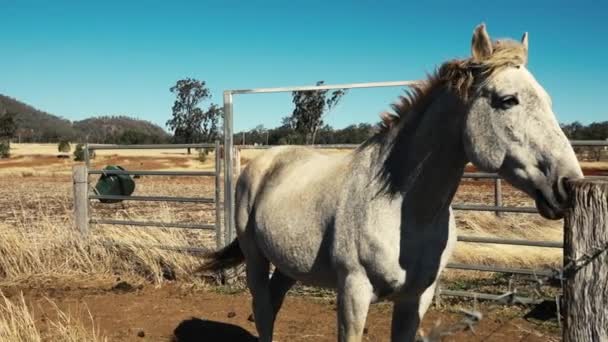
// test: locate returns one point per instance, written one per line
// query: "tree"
(190, 123)
(8, 127)
(310, 106)
(64, 146)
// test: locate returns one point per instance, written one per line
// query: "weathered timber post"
(586, 262)
(81, 198)
(498, 195)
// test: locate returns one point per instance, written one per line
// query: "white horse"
(376, 224)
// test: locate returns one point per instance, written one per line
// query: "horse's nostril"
(561, 196)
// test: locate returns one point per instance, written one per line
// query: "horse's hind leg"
(259, 285)
(279, 285)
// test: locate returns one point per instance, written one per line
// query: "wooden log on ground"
(586, 262)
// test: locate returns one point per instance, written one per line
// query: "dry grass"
(509, 226)
(17, 323)
(38, 241)
(46, 251)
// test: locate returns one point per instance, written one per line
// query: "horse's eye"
(508, 101)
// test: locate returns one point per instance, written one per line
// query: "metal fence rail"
(154, 198)
(152, 173)
(147, 146)
(83, 195)
(513, 242)
(154, 224)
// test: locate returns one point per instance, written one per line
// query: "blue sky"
(85, 58)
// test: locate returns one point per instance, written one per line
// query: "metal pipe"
(498, 269)
(152, 173)
(154, 224)
(326, 146)
(147, 147)
(475, 207)
(324, 87)
(219, 232)
(228, 170)
(487, 175)
(154, 198)
(515, 242)
(589, 142)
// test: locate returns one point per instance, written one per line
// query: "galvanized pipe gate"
(82, 193)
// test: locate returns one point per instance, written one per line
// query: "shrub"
(5, 149)
(64, 146)
(79, 153)
(202, 155)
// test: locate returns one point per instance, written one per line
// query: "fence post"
(237, 162)
(81, 198)
(498, 195)
(586, 262)
(219, 228)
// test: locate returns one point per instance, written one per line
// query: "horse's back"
(286, 204)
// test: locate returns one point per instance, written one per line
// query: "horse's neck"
(434, 159)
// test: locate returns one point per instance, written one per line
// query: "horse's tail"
(227, 257)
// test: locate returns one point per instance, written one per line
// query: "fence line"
(498, 208)
(222, 234)
(82, 196)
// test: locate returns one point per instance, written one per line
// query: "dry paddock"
(115, 286)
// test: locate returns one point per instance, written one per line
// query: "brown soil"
(125, 313)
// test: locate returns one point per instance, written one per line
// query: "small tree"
(8, 127)
(310, 107)
(190, 123)
(5, 149)
(64, 146)
(79, 153)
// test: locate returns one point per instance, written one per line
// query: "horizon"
(78, 60)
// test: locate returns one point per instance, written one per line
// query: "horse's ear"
(524, 40)
(481, 46)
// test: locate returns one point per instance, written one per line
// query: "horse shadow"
(200, 330)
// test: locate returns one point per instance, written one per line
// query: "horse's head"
(510, 127)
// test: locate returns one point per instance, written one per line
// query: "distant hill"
(120, 130)
(36, 125)
(39, 126)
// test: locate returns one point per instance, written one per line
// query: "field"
(117, 286)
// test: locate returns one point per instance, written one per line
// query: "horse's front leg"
(407, 315)
(355, 294)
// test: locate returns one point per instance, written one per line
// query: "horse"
(376, 224)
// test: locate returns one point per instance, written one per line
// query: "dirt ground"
(123, 312)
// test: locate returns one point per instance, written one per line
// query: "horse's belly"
(301, 251)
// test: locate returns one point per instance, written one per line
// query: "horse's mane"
(460, 76)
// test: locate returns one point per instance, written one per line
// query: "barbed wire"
(573, 266)
(467, 323)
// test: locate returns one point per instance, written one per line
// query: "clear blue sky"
(82, 58)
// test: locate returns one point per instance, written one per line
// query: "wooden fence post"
(81, 198)
(498, 195)
(586, 262)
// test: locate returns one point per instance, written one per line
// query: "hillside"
(36, 125)
(39, 126)
(121, 130)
